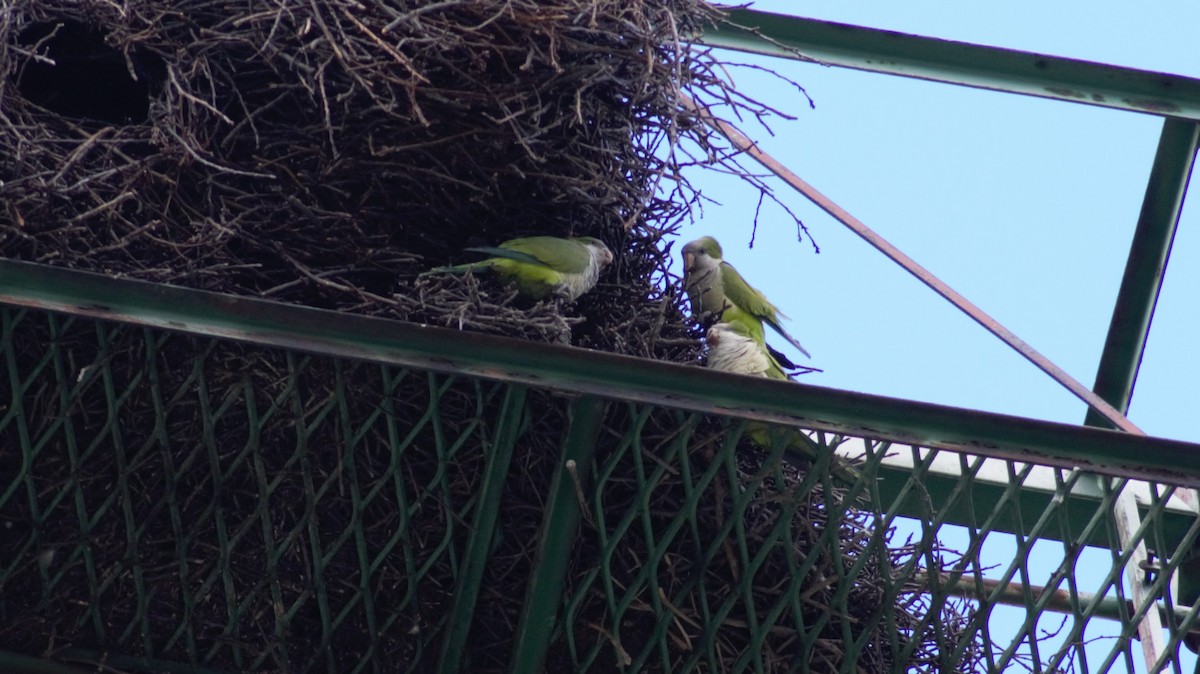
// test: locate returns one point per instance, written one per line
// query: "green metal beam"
(1147, 263)
(560, 530)
(483, 527)
(1108, 607)
(88, 661)
(596, 373)
(972, 65)
(1078, 508)
(1129, 328)
(15, 663)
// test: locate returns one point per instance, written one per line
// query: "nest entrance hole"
(77, 74)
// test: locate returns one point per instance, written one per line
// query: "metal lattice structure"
(350, 536)
(1016, 541)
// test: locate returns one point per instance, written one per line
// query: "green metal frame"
(1174, 97)
(966, 495)
(563, 512)
(593, 372)
(483, 528)
(1008, 70)
(338, 444)
(1147, 264)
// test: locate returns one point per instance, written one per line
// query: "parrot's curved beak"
(689, 261)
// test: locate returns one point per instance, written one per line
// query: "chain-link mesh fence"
(178, 500)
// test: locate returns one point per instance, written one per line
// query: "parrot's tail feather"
(799, 348)
(454, 269)
(507, 254)
(783, 361)
(791, 340)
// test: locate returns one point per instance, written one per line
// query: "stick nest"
(326, 153)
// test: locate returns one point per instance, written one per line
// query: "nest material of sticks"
(326, 153)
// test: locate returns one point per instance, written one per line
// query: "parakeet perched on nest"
(732, 348)
(717, 291)
(542, 265)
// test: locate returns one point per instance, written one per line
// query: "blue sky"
(1025, 206)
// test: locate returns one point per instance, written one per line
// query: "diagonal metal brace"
(743, 143)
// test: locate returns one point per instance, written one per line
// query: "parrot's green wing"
(748, 300)
(744, 296)
(505, 253)
(561, 255)
(799, 449)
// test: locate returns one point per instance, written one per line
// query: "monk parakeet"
(731, 348)
(717, 290)
(541, 265)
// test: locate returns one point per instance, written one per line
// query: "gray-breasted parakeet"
(717, 291)
(731, 348)
(542, 265)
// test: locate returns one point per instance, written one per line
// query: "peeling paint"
(1152, 105)
(1064, 92)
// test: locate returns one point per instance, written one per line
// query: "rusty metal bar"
(743, 143)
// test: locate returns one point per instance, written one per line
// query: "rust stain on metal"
(1064, 92)
(1155, 105)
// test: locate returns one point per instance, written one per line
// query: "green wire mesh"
(177, 499)
(165, 506)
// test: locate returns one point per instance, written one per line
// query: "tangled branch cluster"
(326, 153)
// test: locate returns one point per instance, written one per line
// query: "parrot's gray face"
(596, 248)
(703, 253)
(700, 268)
(697, 256)
(713, 337)
(691, 256)
(603, 254)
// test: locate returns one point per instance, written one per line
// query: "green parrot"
(541, 265)
(732, 348)
(716, 289)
